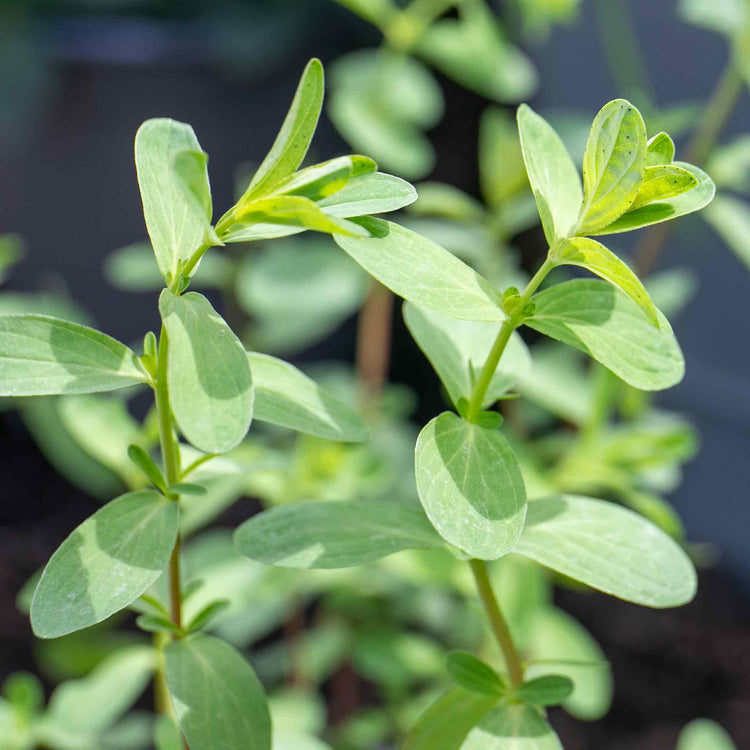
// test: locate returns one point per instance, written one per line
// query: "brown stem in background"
(374, 344)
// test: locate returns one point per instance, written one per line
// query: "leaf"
(41, 356)
(422, 272)
(723, 16)
(662, 183)
(549, 690)
(604, 323)
(374, 193)
(447, 201)
(178, 223)
(167, 735)
(470, 485)
(218, 700)
(287, 397)
(608, 548)
(502, 173)
(594, 257)
(208, 613)
(458, 350)
(473, 674)
(210, 384)
(512, 726)
(659, 150)
(287, 210)
(105, 564)
(294, 138)
(94, 703)
(612, 165)
(333, 534)
(553, 176)
(669, 208)
(704, 734)
(448, 720)
(146, 464)
(327, 178)
(730, 217)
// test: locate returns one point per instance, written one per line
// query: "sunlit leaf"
(661, 183)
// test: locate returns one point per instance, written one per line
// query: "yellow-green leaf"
(663, 182)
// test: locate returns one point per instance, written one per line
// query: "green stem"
(503, 337)
(497, 621)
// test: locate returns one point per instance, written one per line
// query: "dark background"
(76, 80)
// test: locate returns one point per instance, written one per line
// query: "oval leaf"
(458, 349)
(594, 257)
(473, 674)
(470, 485)
(612, 165)
(105, 564)
(608, 548)
(704, 734)
(548, 690)
(176, 219)
(553, 176)
(287, 397)
(422, 272)
(659, 150)
(210, 384)
(606, 324)
(661, 183)
(333, 534)
(512, 726)
(41, 356)
(218, 700)
(375, 193)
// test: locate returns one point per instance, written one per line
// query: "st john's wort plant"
(469, 481)
(206, 391)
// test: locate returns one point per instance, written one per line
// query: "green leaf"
(210, 384)
(661, 183)
(659, 150)
(608, 548)
(606, 324)
(502, 173)
(187, 488)
(294, 138)
(447, 201)
(94, 703)
(333, 534)
(612, 165)
(218, 700)
(724, 16)
(152, 623)
(553, 176)
(146, 464)
(730, 217)
(512, 726)
(473, 674)
(42, 356)
(208, 613)
(11, 252)
(167, 735)
(105, 564)
(470, 485)
(458, 349)
(422, 272)
(448, 720)
(549, 690)
(668, 208)
(594, 257)
(375, 193)
(704, 734)
(287, 397)
(326, 179)
(178, 222)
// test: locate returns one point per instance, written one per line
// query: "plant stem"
(497, 621)
(715, 115)
(503, 337)
(374, 344)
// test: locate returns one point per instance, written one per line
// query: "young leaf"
(218, 700)
(42, 356)
(594, 257)
(512, 726)
(333, 534)
(608, 548)
(470, 485)
(294, 138)
(175, 192)
(473, 674)
(661, 183)
(375, 193)
(146, 464)
(186, 488)
(448, 720)
(422, 272)
(287, 397)
(612, 165)
(606, 324)
(659, 150)
(205, 615)
(105, 564)
(153, 623)
(667, 208)
(326, 179)
(553, 176)
(549, 690)
(210, 384)
(458, 349)
(704, 734)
